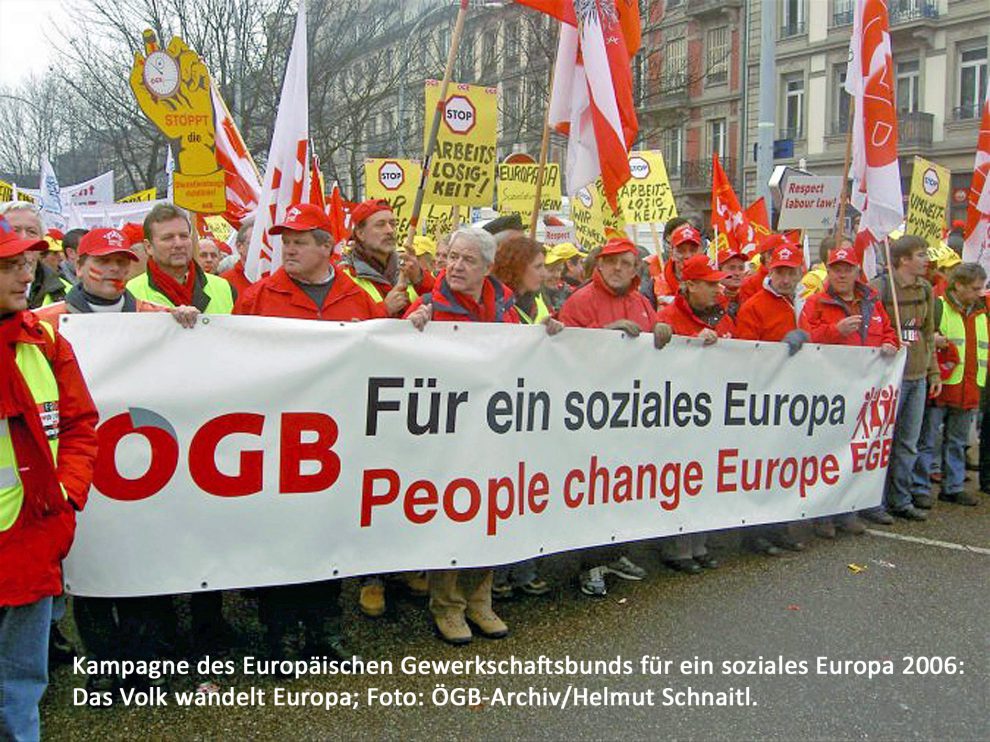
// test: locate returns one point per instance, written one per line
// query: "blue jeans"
(23, 668)
(953, 453)
(910, 413)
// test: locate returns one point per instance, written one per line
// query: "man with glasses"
(25, 220)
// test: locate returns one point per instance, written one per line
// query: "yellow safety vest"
(375, 294)
(40, 379)
(221, 296)
(541, 312)
(953, 327)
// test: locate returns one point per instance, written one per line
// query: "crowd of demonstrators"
(497, 274)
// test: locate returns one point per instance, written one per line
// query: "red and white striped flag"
(977, 231)
(287, 172)
(592, 97)
(876, 173)
(240, 172)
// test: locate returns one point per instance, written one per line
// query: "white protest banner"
(98, 190)
(345, 448)
(111, 215)
(810, 202)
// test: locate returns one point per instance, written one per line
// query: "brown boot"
(417, 584)
(372, 599)
(490, 625)
(453, 629)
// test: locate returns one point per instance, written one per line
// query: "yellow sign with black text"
(517, 189)
(928, 201)
(396, 180)
(647, 198)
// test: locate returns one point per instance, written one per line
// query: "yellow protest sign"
(928, 201)
(219, 227)
(592, 217)
(646, 198)
(462, 171)
(396, 181)
(172, 88)
(148, 194)
(7, 193)
(517, 189)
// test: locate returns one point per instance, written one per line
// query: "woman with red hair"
(520, 264)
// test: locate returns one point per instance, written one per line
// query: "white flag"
(50, 197)
(287, 168)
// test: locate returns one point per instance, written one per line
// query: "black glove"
(795, 339)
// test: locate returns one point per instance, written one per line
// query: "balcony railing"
(842, 17)
(717, 77)
(790, 30)
(967, 113)
(914, 129)
(697, 174)
(705, 7)
(902, 11)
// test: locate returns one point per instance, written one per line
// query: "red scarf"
(181, 295)
(17, 406)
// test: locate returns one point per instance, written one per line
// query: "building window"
(972, 82)
(466, 53)
(510, 102)
(674, 66)
(640, 77)
(793, 18)
(842, 13)
(793, 106)
(488, 54)
(842, 98)
(908, 86)
(716, 138)
(673, 151)
(718, 55)
(511, 41)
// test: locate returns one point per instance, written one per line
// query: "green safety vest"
(953, 327)
(541, 312)
(216, 288)
(375, 294)
(40, 379)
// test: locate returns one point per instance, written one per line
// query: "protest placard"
(928, 201)
(517, 189)
(647, 198)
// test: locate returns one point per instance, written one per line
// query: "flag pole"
(841, 225)
(544, 146)
(431, 143)
(893, 288)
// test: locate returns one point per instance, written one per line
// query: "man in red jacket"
(306, 287)
(236, 276)
(847, 312)
(47, 452)
(612, 301)
(685, 242)
(696, 311)
(770, 315)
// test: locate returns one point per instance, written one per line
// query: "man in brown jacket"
(915, 302)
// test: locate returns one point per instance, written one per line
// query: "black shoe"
(687, 566)
(880, 516)
(763, 546)
(791, 544)
(924, 502)
(707, 561)
(101, 682)
(333, 646)
(60, 649)
(911, 513)
(958, 498)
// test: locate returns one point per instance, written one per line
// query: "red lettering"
(369, 499)
(164, 459)
(693, 476)
(474, 503)
(539, 493)
(202, 456)
(429, 499)
(294, 452)
(725, 469)
(573, 501)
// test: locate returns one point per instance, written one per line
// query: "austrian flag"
(592, 97)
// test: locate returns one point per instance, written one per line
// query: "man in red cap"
(685, 242)
(47, 453)
(612, 301)
(755, 282)
(307, 286)
(375, 265)
(770, 315)
(732, 263)
(172, 277)
(25, 219)
(846, 312)
(696, 310)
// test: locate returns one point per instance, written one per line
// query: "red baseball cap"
(787, 255)
(685, 233)
(617, 246)
(11, 243)
(842, 255)
(106, 242)
(772, 241)
(697, 268)
(724, 256)
(366, 208)
(303, 218)
(133, 231)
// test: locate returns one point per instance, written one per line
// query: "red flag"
(730, 222)
(240, 174)
(592, 101)
(337, 216)
(876, 173)
(316, 182)
(977, 229)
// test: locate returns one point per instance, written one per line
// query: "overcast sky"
(23, 46)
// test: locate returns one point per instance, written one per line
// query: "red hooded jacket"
(31, 550)
(683, 321)
(496, 305)
(280, 296)
(596, 305)
(767, 316)
(822, 311)
(751, 285)
(237, 278)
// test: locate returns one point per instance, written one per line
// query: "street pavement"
(860, 598)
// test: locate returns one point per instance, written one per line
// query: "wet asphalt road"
(911, 600)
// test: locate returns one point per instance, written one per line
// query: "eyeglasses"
(14, 266)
